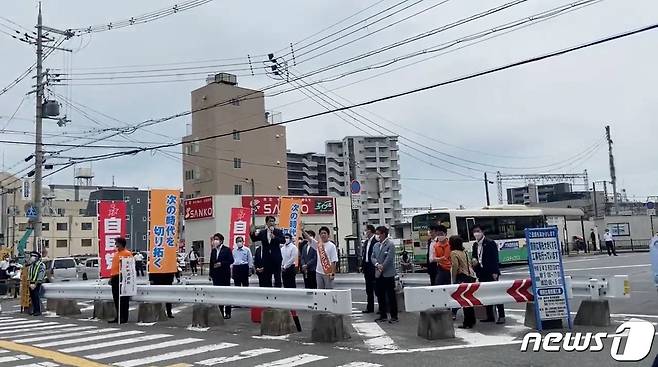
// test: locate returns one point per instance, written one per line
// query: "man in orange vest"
(442, 256)
(115, 274)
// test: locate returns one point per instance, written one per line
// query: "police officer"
(36, 277)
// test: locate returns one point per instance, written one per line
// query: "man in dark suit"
(271, 239)
(309, 261)
(368, 268)
(486, 265)
(221, 259)
(259, 266)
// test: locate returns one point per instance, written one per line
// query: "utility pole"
(596, 211)
(486, 188)
(613, 175)
(38, 147)
(253, 202)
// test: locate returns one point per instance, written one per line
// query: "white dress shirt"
(607, 237)
(289, 253)
(242, 256)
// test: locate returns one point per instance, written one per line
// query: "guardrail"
(332, 301)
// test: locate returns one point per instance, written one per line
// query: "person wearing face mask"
(289, 253)
(441, 256)
(486, 266)
(221, 260)
(368, 268)
(271, 239)
(432, 266)
(36, 277)
(383, 258)
(243, 263)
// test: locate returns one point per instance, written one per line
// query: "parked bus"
(503, 224)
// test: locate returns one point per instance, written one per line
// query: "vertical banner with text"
(163, 231)
(290, 216)
(240, 226)
(111, 224)
(128, 279)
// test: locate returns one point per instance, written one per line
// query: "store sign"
(111, 225)
(271, 205)
(199, 208)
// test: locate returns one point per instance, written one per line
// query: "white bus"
(504, 224)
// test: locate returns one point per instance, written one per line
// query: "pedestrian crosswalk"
(127, 347)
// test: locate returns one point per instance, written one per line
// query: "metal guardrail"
(333, 301)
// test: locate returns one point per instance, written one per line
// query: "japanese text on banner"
(240, 225)
(164, 231)
(291, 216)
(111, 224)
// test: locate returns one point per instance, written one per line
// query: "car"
(61, 269)
(89, 269)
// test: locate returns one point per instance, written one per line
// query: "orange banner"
(163, 231)
(290, 216)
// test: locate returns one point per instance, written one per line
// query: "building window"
(237, 163)
(236, 135)
(61, 243)
(127, 236)
(45, 243)
(22, 227)
(144, 237)
(85, 242)
(62, 227)
(61, 212)
(139, 200)
(189, 174)
(237, 189)
(85, 226)
(45, 226)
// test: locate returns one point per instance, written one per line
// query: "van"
(88, 269)
(61, 269)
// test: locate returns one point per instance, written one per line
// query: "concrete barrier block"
(531, 322)
(104, 310)
(51, 305)
(206, 316)
(330, 328)
(436, 324)
(151, 312)
(593, 313)
(67, 307)
(277, 322)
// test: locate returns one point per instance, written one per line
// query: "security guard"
(36, 277)
(115, 274)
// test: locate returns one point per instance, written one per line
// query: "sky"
(546, 117)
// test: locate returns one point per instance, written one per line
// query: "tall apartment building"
(307, 174)
(374, 162)
(225, 165)
(532, 193)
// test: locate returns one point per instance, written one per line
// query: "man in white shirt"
(289, 254)
(139, 263)
(609, 243)
(243, 262)
(325, 271)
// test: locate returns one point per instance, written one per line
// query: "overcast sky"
(540, 115)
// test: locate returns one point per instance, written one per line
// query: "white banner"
(128, 284)
(26, 190)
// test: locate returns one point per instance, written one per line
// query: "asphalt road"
(81, 341)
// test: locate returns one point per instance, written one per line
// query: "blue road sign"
(355, 187)
(651, 205)
(31, 212)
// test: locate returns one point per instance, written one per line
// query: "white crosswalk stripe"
(19, 323)
(124, 352)
(3, 351)
(43, 330)
(138, 339)
(174, 355)
(361, 364)
(18, 357)
(29, 326)
(294, 361)
(61, 336)
(88, 339)
(41, 364)
(238, 357)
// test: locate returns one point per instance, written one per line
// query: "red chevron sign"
(464, 295)
(520, 290)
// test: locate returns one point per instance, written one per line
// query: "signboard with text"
(290, 218)
(199, 208)
(270, 205)
(163, 231)
(128, 279)
(111, 224)
(240, 226)
(547, 274)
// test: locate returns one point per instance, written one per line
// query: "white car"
(88, 269)
(61, 269)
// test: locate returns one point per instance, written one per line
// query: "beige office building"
(225, 165)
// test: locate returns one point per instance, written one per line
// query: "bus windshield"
(422, 222)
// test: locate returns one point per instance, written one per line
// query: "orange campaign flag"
(163, 231)
(290, 217)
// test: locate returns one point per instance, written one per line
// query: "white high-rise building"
(374, 162)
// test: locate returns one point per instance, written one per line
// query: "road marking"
(10, 319)
(22, 322)
(3, 351)
(238, 357)
(18, 357)
(376, 338)
(114, 343)
(447, 347)
(60, 358)
(88, 339)
(41, 364)
(123, 352)
(294, 361)
(181, 365)
(45, 330)
(174, 355)
(59, 336)
(361, 364)
(29, 326)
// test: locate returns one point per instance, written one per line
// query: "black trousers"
(388, 303)
(193, 266)
(163, 279)
(369, 276)
(35, 298)
(241, 275)
(125, 301)
(431, 271)
(309, 280)
(289, 276)
(270, 272)
(442, 277)
(610, 246)
(484, 278)
(139, 266)
(223, 279)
